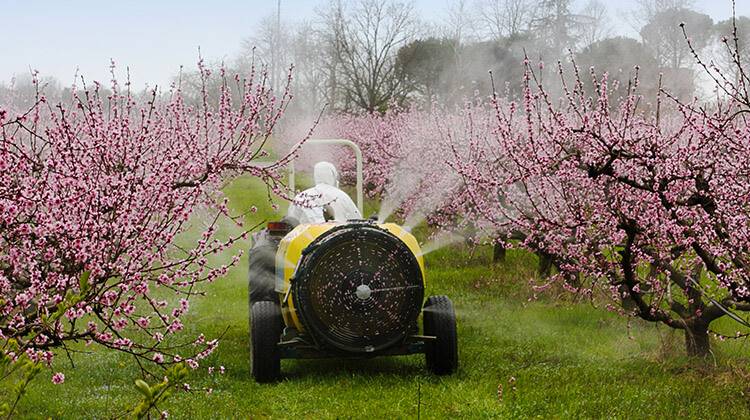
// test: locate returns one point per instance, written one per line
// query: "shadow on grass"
(396, 367)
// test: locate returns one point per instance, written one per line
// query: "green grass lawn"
(551, 358)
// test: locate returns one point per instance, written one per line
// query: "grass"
(551, 358)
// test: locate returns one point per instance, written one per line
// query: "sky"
(154, 38)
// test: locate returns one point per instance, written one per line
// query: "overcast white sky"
(155, 37)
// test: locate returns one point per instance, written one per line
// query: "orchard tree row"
(640, 199)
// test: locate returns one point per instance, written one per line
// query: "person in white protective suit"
(325, 201)
(318, 204)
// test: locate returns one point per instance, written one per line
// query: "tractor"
(343, 289)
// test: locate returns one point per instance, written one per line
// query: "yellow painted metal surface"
(290, 252)
(409, 240)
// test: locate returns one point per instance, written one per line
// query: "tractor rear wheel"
(266, 326)
(439, 320)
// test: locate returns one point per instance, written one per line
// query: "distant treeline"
(370, 55)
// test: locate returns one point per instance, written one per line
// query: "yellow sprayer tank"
(293, 245)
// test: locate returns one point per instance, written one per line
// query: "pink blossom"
(97, 193)
(58, 378)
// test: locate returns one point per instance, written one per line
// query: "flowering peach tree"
(646, 202)
(95, 194)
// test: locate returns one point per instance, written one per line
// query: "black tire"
(266, 326)
(261, 275)
(439, 320)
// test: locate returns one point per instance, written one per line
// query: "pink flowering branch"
(94, 195)
(648, 206)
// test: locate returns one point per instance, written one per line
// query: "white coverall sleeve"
(308, 206)
(307, 213)
(340, 203)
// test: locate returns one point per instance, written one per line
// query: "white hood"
(325, 173)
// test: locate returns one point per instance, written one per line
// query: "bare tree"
(663, 35)
(459, 22)
(280, 45)
(595, 23)
(504, 18)
(310, 76)
(647, 9)
(270, 46)
(369, 38)
(460, 28)
(330, 28)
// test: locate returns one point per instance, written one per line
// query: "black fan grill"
(358, 288)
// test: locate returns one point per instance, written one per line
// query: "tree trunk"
(498, 253)
(545, 265)
(697, 340)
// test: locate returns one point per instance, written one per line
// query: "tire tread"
(440, 321)
(266, 326)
